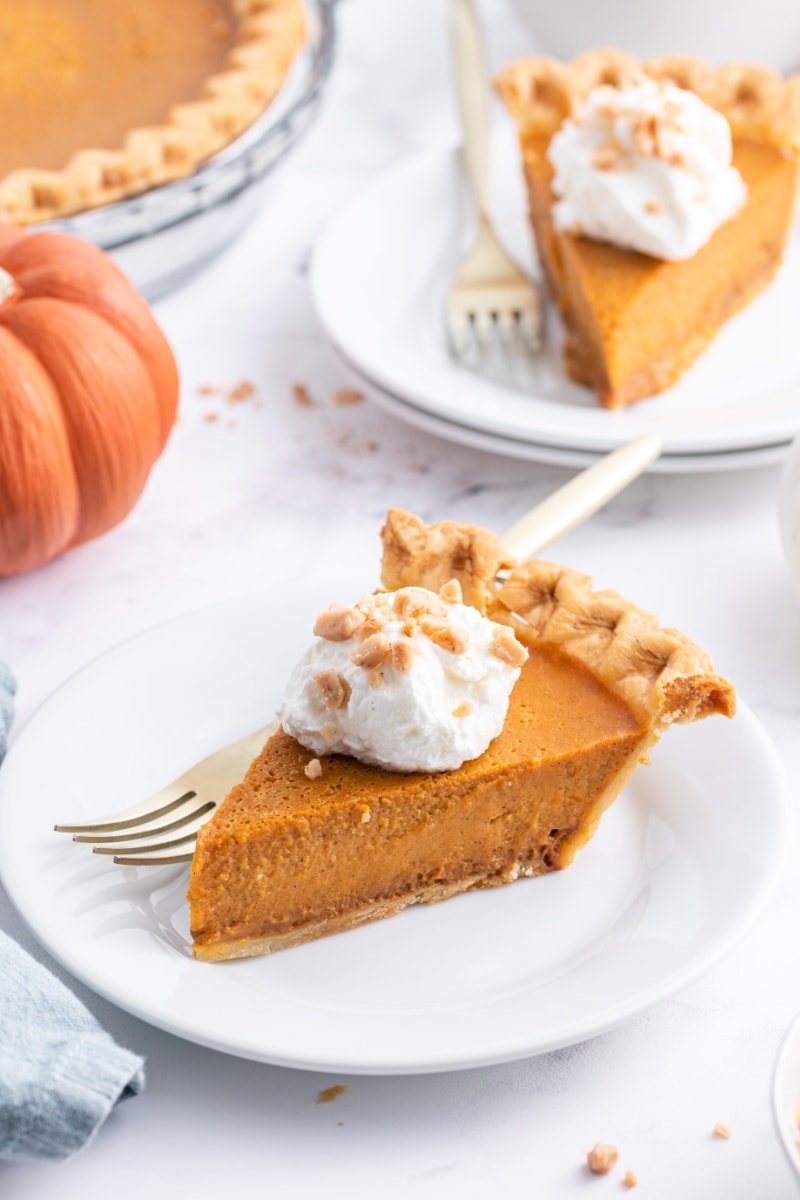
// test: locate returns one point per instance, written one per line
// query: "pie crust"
(659, 672)
(269, 34)
(757, 102)
(293, 855)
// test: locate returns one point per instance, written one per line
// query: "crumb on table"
(348, 396)
(330, 1093)
(302, 395)
(630, 1179)
(721, 1130)
(602, 1158)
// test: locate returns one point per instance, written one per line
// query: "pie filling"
(61, 56)
(285, 854)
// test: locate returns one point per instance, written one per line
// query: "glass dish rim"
(97, 225)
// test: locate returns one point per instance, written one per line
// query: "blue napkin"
(60, 1073)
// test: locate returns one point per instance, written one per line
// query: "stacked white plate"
(379, 277)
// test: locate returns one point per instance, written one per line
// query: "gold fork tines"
(490, 299)
(136, 835)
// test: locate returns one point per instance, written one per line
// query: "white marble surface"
(272, 489)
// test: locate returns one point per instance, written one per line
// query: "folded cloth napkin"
(60, 1073)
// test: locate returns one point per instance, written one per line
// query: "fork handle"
(581, 497)
(473, 99)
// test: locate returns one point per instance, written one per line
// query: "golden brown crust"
(270, 34)
(659, 672)
(431, 555)
(540, 92)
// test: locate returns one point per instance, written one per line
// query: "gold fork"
(180, 809)
(140, 835)
(490, 298)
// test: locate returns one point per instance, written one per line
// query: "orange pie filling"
(360, 841)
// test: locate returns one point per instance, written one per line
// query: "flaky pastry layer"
(660, 672)
(759, 103)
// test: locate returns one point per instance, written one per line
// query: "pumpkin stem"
(8, 287)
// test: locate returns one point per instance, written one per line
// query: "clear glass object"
(163, 236)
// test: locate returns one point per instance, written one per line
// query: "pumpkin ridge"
(39, 498)
(89, 392)
(46, 264)
(108, 402)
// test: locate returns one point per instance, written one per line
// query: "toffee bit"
(417, 602)
(373, 652)
(463, 709)
(451, 592)
(376, 677)
(607, 156)
(333, 688)
(337, 623)
(313, 769)
(403, 653)
(601, 1159)
(443, 635)
(506, 647)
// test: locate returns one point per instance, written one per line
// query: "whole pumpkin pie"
(101, 100)
(634, 321)
(311, 844)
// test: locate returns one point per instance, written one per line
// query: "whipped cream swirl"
(406, 680)
(646, 166)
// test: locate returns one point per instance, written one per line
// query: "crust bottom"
(376, 911)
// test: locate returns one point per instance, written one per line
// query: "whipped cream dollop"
(409, 680)
(646, 166)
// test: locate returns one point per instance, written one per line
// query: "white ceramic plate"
(786, 1093)
(672, 878)
(379, 277)
(564, 456)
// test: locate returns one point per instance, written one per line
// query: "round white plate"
(564, 456)
(672, 878)
(379, 277)
(786, 1093)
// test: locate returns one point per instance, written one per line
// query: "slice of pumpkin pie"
(661, 196)
(496, 710)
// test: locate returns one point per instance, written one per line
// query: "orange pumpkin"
(88, 395)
